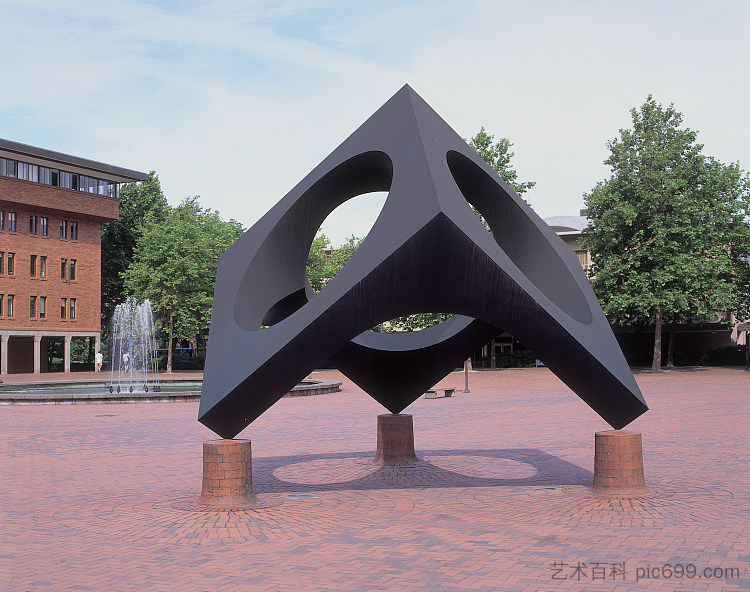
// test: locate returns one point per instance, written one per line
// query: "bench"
(433, 393)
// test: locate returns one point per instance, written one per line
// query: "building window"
(12, 221)
(11, 263)
(72, 309)
(63, 229)
(1, 305)
(583, 258)
(66, 180)
(32, 266)
(32, 307)
(10, 305)
(72, 269)
(43, 225)
(28, 172)
(74, 230)
(7, 167)
(43, 267)
(88, 184)
(2, 220)
(48, 176)
(63, 306)
(2, 262)
(32, 224)
(63, 269)
(42, 307)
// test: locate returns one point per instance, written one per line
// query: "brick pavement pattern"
(104, 497)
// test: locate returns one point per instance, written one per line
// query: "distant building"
(52, 207)
(570, 229)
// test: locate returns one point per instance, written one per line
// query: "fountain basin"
(69, 392)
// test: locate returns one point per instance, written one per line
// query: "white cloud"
(237, 101)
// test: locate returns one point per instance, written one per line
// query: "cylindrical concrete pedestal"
(618, 463)
(395, 439)
(227, 474)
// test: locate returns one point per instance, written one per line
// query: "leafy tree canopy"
(667, 231)
(174, 265)
(498, 156)
(324, 262)
(137, 201)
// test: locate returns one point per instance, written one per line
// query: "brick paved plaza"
(102, 497)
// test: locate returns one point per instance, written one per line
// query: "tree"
(498, 155)
(667, 231)
(174, 265)
(324, 262)
(119, 237)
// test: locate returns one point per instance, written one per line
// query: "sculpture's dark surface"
(427, 252)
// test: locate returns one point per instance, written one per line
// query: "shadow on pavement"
(434, 469)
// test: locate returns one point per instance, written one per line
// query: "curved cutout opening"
(416, 339)
(519, 238)
(412, 323)
(354, 217)
(275, 284)
(340, 235)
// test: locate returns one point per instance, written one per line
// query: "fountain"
(132, 333)
(133, 348)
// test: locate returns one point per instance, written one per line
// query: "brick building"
(52, 207)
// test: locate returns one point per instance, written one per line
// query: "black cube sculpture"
(427, 252)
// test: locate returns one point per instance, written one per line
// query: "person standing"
(99, 359)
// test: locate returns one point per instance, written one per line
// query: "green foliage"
(174, 265)
(119, 237)
(415, 322)
(733, 355)
(82, 350)
(324, 262)
(498, 156)
(667, 231)
(516, 359)
(181, 362)
(317, 262)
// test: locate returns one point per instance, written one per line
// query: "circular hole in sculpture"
(275, 282)
(340, 235)
(519, 237)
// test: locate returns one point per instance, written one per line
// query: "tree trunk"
(169, 345)
(656, 364)
(493, 360)
(670, 347)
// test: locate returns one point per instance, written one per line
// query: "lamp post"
(466, 376)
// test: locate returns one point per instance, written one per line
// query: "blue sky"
(236, 101)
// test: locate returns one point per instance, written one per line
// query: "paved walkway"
(101, 497)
